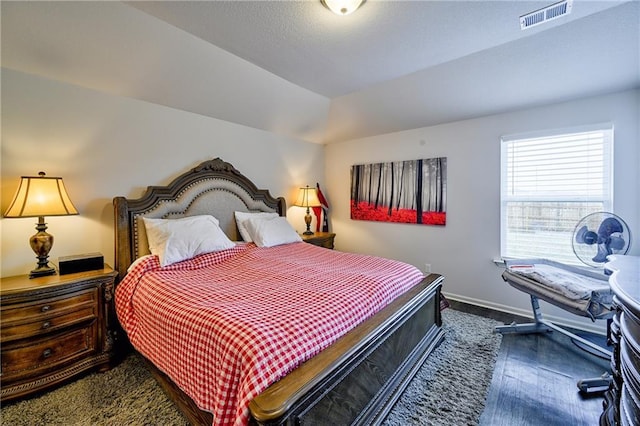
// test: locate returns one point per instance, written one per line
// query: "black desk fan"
(598, 235)
(595, 237)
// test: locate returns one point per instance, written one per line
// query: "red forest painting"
(412, 191)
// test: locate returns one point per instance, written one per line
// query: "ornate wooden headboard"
(213, 187)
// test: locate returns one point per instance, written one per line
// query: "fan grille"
(598, 235)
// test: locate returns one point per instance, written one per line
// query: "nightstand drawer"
(326, 243)
(320, 239)
(46, 308)
(46, 352)
(48, 323)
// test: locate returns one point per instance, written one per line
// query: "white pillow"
(242, 217)
(271, 231)
(175, 240)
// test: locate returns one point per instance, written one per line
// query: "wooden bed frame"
(354, 381)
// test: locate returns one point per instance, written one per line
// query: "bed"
(344, 365)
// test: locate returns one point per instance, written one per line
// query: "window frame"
(606, 198)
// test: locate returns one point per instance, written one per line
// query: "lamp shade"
(41, 196)
(342, 7)
(307, 197)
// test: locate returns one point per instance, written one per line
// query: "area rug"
(449, 389)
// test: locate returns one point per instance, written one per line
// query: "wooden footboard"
(358, 379)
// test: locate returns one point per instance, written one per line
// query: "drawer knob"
(46, 308)
(46, 353)
(46, 324)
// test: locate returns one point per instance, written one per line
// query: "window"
(548, 183)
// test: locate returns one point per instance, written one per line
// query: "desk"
(622, 400)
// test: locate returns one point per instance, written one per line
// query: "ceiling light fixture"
(342, 7)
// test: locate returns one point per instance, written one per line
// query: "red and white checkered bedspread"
(224, 326)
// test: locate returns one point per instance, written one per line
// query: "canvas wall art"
(412, 191)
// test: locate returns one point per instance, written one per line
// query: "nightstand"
(320, 239)
(54, 328)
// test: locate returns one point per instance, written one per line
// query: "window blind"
(548, 183)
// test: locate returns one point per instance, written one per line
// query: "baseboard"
(598, 327)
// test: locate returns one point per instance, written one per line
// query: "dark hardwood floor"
(534, 382)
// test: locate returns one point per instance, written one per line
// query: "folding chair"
(580, 291)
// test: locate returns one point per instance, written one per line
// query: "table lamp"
(307, 197)
(40, 196)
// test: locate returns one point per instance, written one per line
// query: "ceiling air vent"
(546, 14)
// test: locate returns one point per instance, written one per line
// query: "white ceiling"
(294, 68)
(334, 56)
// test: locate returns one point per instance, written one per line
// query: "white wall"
(463, 250)
(114, 48)
(105, 145)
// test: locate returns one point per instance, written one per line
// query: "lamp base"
(41, 244)
(307, 221)
(42, 271)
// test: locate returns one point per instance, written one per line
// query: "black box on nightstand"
(80, 263)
